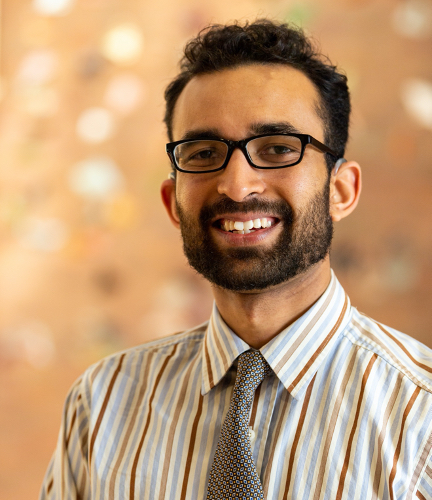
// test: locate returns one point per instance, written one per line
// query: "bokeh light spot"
(417, 99)
(123, 44)
(95, 125)
(31, 341)
(43, 234)
(52, 7)
(38, 67)
(97, 177)
(124, 93)
(413, 18)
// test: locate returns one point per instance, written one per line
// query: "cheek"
(297, 188)
(194, 187)
(301, 184)
(189, 197)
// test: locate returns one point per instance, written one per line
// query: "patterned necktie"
(233, 474)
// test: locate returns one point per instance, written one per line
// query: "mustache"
(280, 209)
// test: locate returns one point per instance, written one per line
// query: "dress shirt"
(346, 414)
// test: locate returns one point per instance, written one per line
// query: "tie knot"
(251, 370)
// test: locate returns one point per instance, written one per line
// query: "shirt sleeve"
(67, 477)
(424, 490)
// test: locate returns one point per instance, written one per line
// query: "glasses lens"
(197, 156)
(275, 150)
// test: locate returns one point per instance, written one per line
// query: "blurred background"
(89, 263)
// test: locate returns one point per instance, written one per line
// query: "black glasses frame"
(242, 145)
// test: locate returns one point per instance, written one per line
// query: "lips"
(255, 215)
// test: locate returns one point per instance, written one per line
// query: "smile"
(245, 227)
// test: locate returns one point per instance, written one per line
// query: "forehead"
(231, 101)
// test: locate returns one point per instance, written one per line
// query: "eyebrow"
(258, 128)
(274, 128)
(201, 134)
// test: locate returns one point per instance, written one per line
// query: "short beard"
(305, 240)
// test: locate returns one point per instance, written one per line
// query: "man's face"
(236, 104)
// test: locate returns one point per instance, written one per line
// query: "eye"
(200, 155)
(274, 150)
(203, 154)
(277, 149)
(277, 152)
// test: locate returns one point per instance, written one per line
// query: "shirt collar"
(294, 355)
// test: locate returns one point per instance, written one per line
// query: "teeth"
(240, 227)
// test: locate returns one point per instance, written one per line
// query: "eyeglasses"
(199, 156)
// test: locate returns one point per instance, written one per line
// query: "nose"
(238, 180)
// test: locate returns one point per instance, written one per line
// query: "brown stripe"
(419, 495)
(50, 485)
(332, 425)
(354, 427)
(282, 412)
(207, 357)
(125, 439)
(405, 350)
(84, 440)
(387, 413)
(419, 467)
(138, 452)
(72, 423)
(320, 348)
(172, 429)
(221, 351)
(396, 362)
(297, 436)
(83, 484)
(104, 406)
(191, 448)
(399, 445)
(304, 334)
(255, 406)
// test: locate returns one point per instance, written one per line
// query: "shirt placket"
(264, 403)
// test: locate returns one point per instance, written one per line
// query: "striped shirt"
(346, 414)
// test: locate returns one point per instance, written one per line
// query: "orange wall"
(89, 263)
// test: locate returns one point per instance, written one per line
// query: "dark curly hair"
(220, 47)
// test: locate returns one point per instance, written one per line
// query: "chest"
(344, 438)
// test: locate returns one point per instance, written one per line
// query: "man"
(287, 392)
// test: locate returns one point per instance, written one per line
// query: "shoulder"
(400, 351)
(131, 366)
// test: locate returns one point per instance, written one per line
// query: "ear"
(168, 194)
(345, 188)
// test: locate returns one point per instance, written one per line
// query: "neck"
(258, 316)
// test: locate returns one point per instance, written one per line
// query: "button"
(251, 435)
